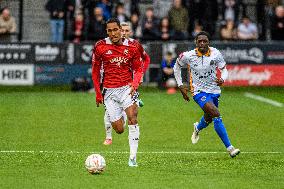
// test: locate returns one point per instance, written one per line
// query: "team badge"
(126, 51)
(203, 98)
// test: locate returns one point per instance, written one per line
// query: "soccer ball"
(171, 83)
(95, 163)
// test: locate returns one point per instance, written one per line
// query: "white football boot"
(234, 152)
(132, 162)
(195, 135)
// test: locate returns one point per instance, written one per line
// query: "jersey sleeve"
(145, 57)
(96, 67)
(137, 69)
(220, 60)
(146, 61)
(180, 62)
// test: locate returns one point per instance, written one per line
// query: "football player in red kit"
(127, 33)
(123, 71)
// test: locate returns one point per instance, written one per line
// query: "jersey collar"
(198, 53)
(124, 42)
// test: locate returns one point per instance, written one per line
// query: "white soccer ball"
(95, 163)
(171, 83)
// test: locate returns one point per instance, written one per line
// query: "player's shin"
(221, 131)
(108, 127)
(133, 140)
(124, 117)
(202, 124)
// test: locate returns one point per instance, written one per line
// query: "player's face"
(126, 31)
(202, 43)
(114, 32)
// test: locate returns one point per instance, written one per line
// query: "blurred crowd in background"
(81, 20)
(84, 20)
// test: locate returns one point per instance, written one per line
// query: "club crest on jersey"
(212, 62)
(119, 60)
(126, 51)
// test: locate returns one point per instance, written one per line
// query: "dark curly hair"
(203, 33)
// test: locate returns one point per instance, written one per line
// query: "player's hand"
(99, 99)
(132, 91)
(219, 81)
(183, 89)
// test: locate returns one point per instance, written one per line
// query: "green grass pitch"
(45, 138)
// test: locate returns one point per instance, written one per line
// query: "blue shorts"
(202, 98)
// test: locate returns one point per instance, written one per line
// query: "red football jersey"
(145, 57)
(119, 62)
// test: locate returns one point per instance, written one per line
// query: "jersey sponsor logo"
(109, 52)
(119, 60)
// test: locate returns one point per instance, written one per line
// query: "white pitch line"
(125, 152)
(263, 99)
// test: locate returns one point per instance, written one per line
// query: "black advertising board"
(257, 53)
(50, 53)
(16, 53)
(252, 53)
(83, 53)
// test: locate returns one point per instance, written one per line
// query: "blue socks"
(202, 124)
(221, 131)
(219, 128)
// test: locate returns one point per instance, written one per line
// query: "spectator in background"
(120, 13)
(277, 24)
(150, 25)
(178, 17)
(78, 28)
(135, 25)
(106, 6)
(228, 31)
(161, 8)
(247, 30)
(197, 28)
(165, 32)
(97, 29)
(72, 7)
(167, 65)
(130, 7)
(88, 8)
(209, 15)
(7, 25)
(56, 10)
(191, 9)
(231, 9)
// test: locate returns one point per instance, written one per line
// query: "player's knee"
(119, 131)
(118, 127)
(132, 120)
(215, 113)
(208, 120)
